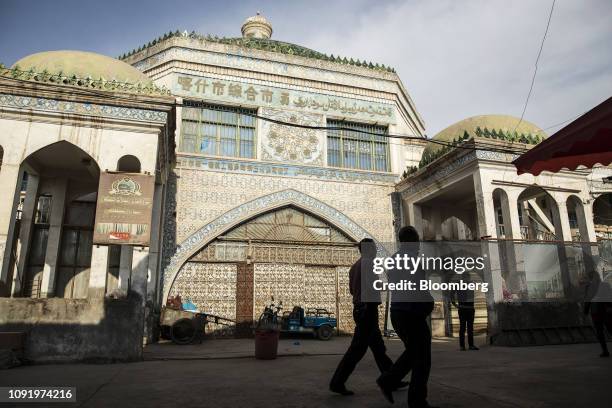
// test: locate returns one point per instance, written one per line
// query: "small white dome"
(256, 27)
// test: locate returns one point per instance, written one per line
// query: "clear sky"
(456, 58)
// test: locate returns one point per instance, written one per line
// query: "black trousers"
(367, 335)
(413, 330)
(600, 324)
(466, 320)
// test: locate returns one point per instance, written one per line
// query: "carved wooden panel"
(244, 300)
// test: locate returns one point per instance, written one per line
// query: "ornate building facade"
(268, 162)
(322, 190)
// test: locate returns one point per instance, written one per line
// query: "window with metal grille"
(218, 131)
(358, 146)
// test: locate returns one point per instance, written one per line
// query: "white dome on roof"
(256, 26)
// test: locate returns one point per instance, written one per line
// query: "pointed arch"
(244, 212)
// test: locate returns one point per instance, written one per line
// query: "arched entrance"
(538, 215)
(288, 253)
(52, 240)
(602, 216)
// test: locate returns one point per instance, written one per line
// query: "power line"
(535, 72)
(565, 121)
(485, 146)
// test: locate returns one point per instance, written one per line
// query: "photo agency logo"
(419, 271)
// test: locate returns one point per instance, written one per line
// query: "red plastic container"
(266, 344)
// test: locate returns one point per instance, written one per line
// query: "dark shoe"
(462, 348)
(605, 354)
(385, 389)
(341, 390)
(402, 384)
(474, 348)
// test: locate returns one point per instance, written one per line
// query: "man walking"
(463, 300)
(409, 313)
(367, 333)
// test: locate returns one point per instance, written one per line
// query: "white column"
(58, 199)
(98, 271)
(584, 213)
(28, 215)
(155, 245)
(436, 223)
(415, 218)
(510, 214)
(484, 207)
(561, 222)
(125, 270)
(10, 189)
(140, 270)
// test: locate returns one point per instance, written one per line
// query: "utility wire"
(535, 72)
(483, 146)
(565, 121)
(486, 146)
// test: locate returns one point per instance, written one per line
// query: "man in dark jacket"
(367, 333)
(409, 313)
(463, 300)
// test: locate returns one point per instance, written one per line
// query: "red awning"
(586, 141)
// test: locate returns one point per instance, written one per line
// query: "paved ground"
(221, 373)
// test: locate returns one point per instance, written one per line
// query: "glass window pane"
(247, 120)
(222, 131)
(38, 247)
(84, 248)
(190, 127)
(191, 113)
(188, 144)
(209, 115)
(69, 247)
(208, 145)
(246, 149)
(357, 146)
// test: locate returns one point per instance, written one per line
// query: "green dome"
(504, 123)
(82, 64)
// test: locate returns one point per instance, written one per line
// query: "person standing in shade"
(365, 313)
(463, 300)
(598, 302)
(409, 313)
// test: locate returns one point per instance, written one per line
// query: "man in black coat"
(367, 332)
(409, 313)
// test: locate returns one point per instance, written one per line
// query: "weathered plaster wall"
(97, 330)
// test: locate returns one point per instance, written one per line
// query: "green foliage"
(499, 134)
(63, 79)
(265, 45)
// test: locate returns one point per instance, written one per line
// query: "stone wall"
(64, 330)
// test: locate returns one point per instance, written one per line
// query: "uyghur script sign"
(123, 212)
(263, 95)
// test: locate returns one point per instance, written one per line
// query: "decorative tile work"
(297, 285)
(212, 287)
(207, 233)
(346, 324)
(250, 167)
(292, 144)
(89, 109)
(285, 282)
(253, 61)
